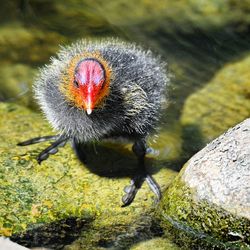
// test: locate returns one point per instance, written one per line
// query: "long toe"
(42, 157)
(132, 189)
(127, 199)
(153, 186)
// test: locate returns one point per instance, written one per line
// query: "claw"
(52, 149)
(136, 183)
(132, 189)
(153, 186)
(128, 198)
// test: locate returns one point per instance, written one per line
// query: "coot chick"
(102, 89)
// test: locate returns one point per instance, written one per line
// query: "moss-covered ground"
(62, 189)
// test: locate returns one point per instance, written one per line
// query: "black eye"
(76, 84)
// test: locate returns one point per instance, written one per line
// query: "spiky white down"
(133, 106)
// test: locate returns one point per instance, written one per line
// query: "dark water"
(196, 39)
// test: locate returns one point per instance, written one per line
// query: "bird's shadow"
(111, 159)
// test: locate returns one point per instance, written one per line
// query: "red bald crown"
(86, 81)
(89, 79)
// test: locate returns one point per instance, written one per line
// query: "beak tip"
(89, 111)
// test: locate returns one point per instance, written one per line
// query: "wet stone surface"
(208, 203)
(220, 173)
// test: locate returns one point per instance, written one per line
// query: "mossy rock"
(222, 103)
(208, 203)
(27, 45)
(54, 203)
(16, 84)
(185, 15)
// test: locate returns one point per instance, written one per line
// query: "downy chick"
(102, 89)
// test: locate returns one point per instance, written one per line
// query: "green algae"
(191, 222)
(222, 103)
(31, 194)
(157, 244)
(24, 44)
(186, 15)
(36, 197)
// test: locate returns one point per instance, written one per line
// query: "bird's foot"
(154, 186)
(135, 184)
(59, 141)
(132, 189)
(52, 149)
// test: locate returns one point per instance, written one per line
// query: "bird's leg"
(60, 141)
(140, 148)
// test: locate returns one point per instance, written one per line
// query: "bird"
(97, 89)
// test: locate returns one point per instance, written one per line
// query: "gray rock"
(220, 173)
(6, 244)
(208, 204)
